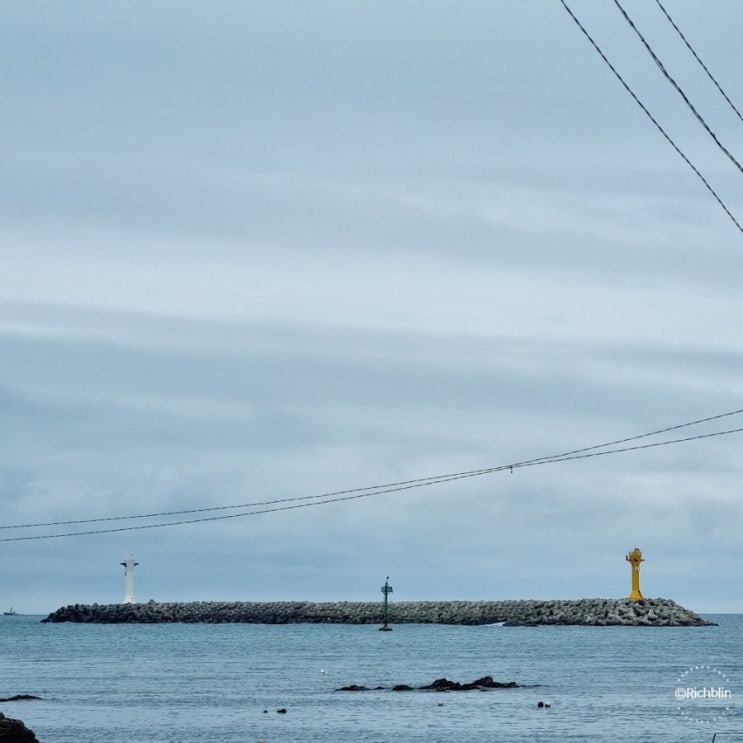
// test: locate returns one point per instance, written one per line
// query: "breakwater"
(654, 612)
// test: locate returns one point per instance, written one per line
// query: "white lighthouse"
(129, 566)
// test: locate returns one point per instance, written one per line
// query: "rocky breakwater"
(596, 612)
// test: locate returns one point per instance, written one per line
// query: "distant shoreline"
(652, 612)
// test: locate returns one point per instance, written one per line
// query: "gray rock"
(596, 612)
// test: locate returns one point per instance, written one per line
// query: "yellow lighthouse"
(634, 558)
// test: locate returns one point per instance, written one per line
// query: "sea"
(238, 683)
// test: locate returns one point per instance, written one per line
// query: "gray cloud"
(270, 251)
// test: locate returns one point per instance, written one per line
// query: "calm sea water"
(174, 683)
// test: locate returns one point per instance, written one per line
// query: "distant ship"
(11, 613)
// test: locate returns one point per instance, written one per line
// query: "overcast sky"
(254, 251)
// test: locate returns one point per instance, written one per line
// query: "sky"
(260, 251)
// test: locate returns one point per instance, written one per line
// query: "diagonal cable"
(391, 486)
(677, 87)
(651, 117)
(696, 56)
(586, 454)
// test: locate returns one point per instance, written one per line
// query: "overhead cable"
(429, 479)
(651, 117)
(696, 56)
(677, 87)
(410, 485)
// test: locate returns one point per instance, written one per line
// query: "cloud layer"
(270, 251)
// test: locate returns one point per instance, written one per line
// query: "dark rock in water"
(443, 684)
(486, 682)
(14, 731)
(19, 698)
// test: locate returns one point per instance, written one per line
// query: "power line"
(410, 485)
(651, 117)
(696, 56)
(431, 479)
(677, 87)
